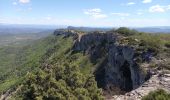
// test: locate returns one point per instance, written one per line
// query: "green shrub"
(150, 42)
(126, 31)
(60, 83)
(157, 95)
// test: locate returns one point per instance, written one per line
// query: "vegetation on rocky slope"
(157, 95)
(17, 60)
(56, 71)
(62, 82)
(60, 76)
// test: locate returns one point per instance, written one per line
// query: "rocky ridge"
(118, 68)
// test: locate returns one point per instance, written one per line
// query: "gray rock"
(65, 33)
(118, 68)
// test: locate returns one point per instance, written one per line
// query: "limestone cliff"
(116, 67)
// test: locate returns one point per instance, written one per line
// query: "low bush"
(157, 95)
(126, 31)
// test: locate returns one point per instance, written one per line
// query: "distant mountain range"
(88, 29)
(157, 29)
(21, 28)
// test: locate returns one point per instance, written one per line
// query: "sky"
(98, 13)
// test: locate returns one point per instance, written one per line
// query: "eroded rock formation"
(116, 63)
(118, 67)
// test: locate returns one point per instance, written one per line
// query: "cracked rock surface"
(158, 81)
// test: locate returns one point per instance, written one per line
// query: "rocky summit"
(118, 67)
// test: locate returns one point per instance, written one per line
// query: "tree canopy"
(60, 83)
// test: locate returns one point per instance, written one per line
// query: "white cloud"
(90, 11)
(98, 16)
(95, 13)
(139, 13)
(130, 3)
(147, 1)
(48, 18)
(14, 3)
(157, 8)
(168, 7)
(24, 1)
(121, 14)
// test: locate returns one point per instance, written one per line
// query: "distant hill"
(20, 29)
(161, 29)
(16, 34)
(88, 29)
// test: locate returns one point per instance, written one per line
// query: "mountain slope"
(16, 61)
(71, 50)
(76, 64)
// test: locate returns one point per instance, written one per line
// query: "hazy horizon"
(65, 26)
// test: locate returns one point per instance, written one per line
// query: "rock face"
(91, 40)
(158, 81)
(121, 70)
(117, 66)
(64, 32)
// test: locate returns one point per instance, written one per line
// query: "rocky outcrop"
(121, 70)
(118, 67)
(65, 33)
(88, 41)
(157, 81)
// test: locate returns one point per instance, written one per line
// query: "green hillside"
(17, 60)
(49, 68)
(53, 56)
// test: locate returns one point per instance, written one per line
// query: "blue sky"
(86, 12)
